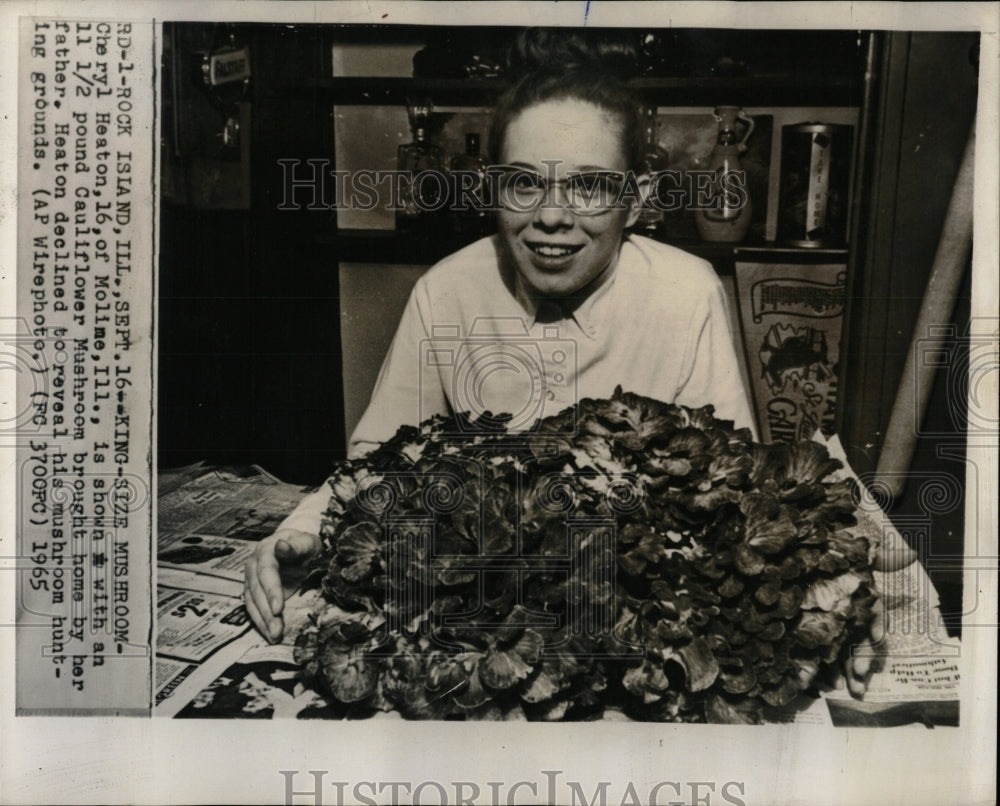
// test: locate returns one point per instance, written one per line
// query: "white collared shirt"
(472, 339)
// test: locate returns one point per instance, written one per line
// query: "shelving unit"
(825, 69)
(389, 246)
(759, 90)
(250, 296)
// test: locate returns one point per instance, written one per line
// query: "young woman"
(560, 305)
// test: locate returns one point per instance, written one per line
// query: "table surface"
(212, 663)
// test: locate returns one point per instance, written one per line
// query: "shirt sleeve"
(408, 390)
(406, 393)
(308, 515)
(711, 367)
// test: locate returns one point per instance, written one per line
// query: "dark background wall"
(922, 111)
(250, 354)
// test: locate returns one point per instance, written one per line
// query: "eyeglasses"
(522, 190)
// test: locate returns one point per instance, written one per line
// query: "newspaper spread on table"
(210, 662)
(209, 520)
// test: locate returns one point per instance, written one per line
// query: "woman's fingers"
(249, 571)
(284, 554)
(856, 682)
(269, 576)
(877, 628)
(894, 558)
(859, 665)
(261, 623)
(260, 572)
(295, 547)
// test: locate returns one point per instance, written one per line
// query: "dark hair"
(555, 65)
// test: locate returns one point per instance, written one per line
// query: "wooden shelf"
(389, 246)
(762, 90)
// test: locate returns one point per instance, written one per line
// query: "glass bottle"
(469, 213)
(655, 159)
(422, 182)
(723, 207)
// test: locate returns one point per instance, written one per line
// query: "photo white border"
(135, 760)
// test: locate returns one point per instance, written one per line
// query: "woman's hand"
(275, 570)
(858, 665)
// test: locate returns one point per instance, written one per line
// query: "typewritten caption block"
(83, 336)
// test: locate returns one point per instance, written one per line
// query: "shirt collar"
(580, 307)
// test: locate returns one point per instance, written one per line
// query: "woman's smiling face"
(555, 251)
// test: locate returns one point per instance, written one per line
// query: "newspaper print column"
(83, 341)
